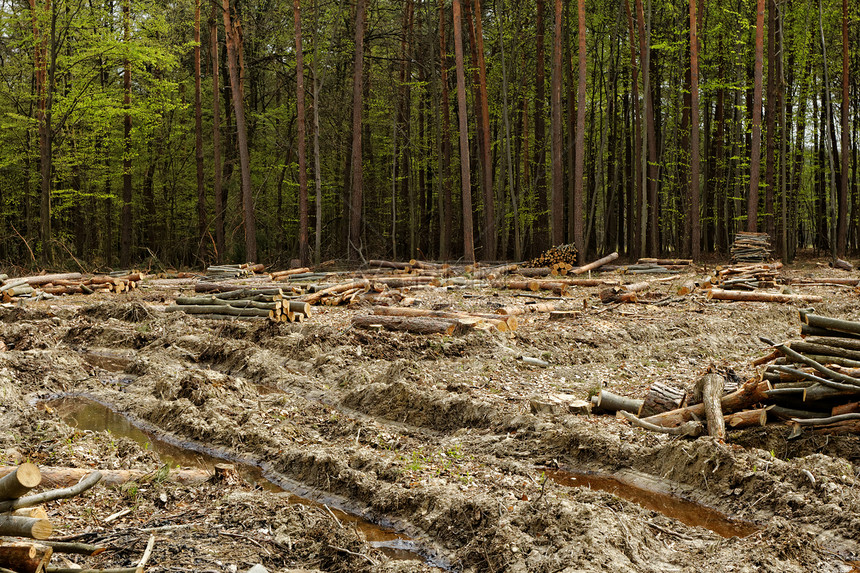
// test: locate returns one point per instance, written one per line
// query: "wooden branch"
(86, 483)
(74, 548)
(820, 368)
(65, 477)
(825, 421)
(690, 428)
(221, 309)
(712, 391)
(15, 526)
(314, 298)
(19, 481)
(719, 294)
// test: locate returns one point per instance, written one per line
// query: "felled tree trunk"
(750, 393)
(712, 391)
(661, 398)
(25, 557)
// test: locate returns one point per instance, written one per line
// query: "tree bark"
(304, 251)
(25, 557)
(712, 391)
(465, 169)
(542, 237)
(650, 218)
(747, 395)
(842, 216)
(770, 118)
(233, 48)
(31, 527)
(416, 325)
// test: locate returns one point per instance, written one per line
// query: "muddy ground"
(433, 436)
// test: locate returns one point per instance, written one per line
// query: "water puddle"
(87, 414)
(107, 360)
(684, 510)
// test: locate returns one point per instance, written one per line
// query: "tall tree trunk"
(755, 150)
(542, 231)
(446, 213)
(125, 237)
(580, 135)
(518, 247)
(233, 48)
(830, 144)
(770, 118)
(637, 207)
(650, 226)
(490, 231)
(357, 190)
(557, 129)
(465, 168)
(216, 135)
(842, 217)
(695, 220)
(304, 254)
(198, 139)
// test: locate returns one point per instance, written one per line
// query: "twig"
(333, 516)
(147, 553)
(669, 531)
(245, 538)
(825, 421)
(26, 244)
(370, 559)
(117, 515)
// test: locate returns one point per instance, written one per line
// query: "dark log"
(199, 301)
(849, 408)
(25, 557)
(661, 397)
(785, 414)
(841, 264)
(416, 325)
(807, 330)
(826, 421)
(611, 402)
(71, 548)
(847, 427)
(789, 353)
(502, 323)
(842, 343)
(846, 326)
(219, 310)
(19, 481)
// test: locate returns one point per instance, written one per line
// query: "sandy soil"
(441, 438)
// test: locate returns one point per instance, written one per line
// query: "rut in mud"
(435, 438)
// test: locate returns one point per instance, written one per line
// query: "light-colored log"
(19, 481)
(747, 419)
(720, 294)
(595, 265)
(15, 526)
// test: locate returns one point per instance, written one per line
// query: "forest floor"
(449, 443)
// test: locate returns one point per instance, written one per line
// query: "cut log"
(846, 326)
(747, 419)
(25, 557)
(91, 479)
(37, 512)
(220, 310)
(751, 392)
(416, 325)
(314, 298)
(835, 342)
(19, 481)
(15, 526)
(841, 264)
(661, 397)
(847, 427)
(279, 274)
(720, 294)
(65, 477)
(494, 272)
(807, 330)
(826, 421)
(712, 392)
(595, 265)
(501, 322)
(41, 279)
(782, 413)
(612, 402)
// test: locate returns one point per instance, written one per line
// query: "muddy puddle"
(684, 510)
(86, 414)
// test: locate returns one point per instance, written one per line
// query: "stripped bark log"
(712, 391)
(595, 265)
(720, 294)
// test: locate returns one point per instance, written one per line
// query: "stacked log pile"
(751, 248)
(558, 256)
(813, 383)
(23, 516)
(750, 283)
(225, 272)
(70, 283)
(244, 304)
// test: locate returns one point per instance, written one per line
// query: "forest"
(190, 132)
